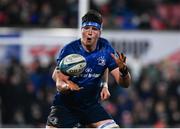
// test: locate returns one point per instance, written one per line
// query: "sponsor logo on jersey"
(89, 75)
(88, 70)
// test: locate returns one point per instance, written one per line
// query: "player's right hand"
(62, 86)
(67, 86)
(63, 83)
(73, 86)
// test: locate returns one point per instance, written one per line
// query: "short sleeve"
(111, 63)
(63, 52)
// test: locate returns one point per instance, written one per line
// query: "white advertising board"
(146, 46)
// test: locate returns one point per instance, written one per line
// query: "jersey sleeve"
(111, 64)
(62, 53)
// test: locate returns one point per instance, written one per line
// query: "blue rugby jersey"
(97, 62)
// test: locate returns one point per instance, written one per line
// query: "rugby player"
(77, 100)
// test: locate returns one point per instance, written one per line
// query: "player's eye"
(87, 27)
(94, 28)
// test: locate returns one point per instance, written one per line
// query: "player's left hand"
(105, 94)
(120, 61)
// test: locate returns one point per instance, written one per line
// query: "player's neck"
(89, 48)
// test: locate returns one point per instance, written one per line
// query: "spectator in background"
(118, 14)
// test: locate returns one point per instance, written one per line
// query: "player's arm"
(63, 83)
(105, 94)
(60, 79)
(121, 74)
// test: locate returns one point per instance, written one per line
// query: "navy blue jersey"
(97, 62)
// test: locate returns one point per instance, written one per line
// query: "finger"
(102, 97)
(113, 56)
(74, 87)
(118, 53)
(105, 97)
(123, 57)
(58, 89)
(108, 95)
(62, 88)
(78, 88)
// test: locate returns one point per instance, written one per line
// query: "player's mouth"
(89, 39)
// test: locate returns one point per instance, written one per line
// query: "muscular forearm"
(121, 74)
(54, 74)
(58, 75)
(60, 79)
(125, 81)
(63, 83)
(105, 79)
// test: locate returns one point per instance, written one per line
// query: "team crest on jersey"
(101, 61)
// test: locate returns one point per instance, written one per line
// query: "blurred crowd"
(39, 13)
(151, 101)
(118, 14)
(26, 93)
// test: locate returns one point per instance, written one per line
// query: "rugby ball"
(72, 65)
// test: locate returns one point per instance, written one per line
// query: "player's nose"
(90, 31)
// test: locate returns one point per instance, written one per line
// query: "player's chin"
(89, 43)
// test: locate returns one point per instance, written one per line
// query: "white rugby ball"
(72, 65)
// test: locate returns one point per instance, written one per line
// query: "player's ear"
(99, 33)
(82, 29)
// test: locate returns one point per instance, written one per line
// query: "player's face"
(90, 35)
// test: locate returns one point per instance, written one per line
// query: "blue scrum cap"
(92, 18)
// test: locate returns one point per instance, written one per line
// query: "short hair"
(92, 16)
